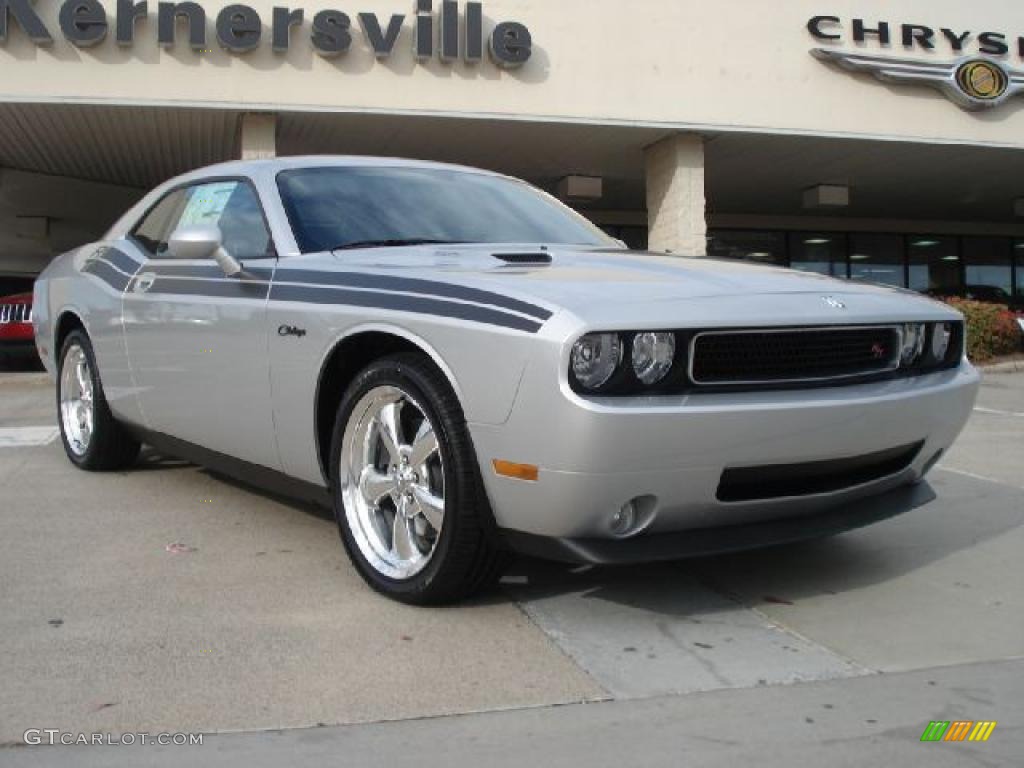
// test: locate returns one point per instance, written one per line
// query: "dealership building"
(866, 140)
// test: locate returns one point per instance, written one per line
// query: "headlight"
(653, 354)
(941, 335)
(595, 359)
(913, 343)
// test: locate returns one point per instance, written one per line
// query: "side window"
(235, 208)
(155, 227)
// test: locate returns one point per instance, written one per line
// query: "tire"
(433, 567)
(108, 446)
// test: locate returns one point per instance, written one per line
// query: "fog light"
(624, 519)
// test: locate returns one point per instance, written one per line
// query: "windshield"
(354, 206)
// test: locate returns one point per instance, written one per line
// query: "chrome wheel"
(392, 482)
(77, 412)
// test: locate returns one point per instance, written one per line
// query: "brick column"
(258, 136)
(675, 195)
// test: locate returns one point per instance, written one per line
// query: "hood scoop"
(537, 258)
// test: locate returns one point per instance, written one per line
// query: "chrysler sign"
(446, 34)
(976, 78)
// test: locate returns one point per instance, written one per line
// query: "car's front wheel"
(407, 493)
(92, 437)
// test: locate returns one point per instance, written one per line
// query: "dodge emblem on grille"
(833, 302)
(878, 351)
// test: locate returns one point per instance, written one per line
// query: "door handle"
(143, 282)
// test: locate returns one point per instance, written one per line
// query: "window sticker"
(206, 203)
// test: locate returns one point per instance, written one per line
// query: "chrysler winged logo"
(833, 302)
(973, 83)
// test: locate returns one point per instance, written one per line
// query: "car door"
(196, 338)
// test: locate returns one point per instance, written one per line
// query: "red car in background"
(16, 336)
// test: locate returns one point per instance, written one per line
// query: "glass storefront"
(982, 268)
(934, 265)
(989, 268)
(877, 259)
(763, 247)
(824, 253)
(1018, 250)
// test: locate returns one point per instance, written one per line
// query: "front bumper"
(594, 456)
(724, 539)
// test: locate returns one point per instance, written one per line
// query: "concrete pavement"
(259, 623)
(875, 720)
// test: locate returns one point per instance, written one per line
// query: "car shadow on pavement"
(965, 513)
(150, 459)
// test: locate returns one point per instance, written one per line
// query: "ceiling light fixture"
(827, 196)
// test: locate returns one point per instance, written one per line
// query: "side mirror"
(202, 241)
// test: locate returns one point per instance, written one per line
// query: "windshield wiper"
(393, 243)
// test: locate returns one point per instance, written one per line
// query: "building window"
(1018, 250)
(877, 258)
(820, 252)
(988, 268)
(934, 265)
(763, 247)
(635, 238)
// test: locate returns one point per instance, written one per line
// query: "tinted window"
(1018, 249)
(334, 207)
(877, 258)
(821, 252)
(934, 264)
(987, 267)
(749, 245)
(234, 207)
(152, 231)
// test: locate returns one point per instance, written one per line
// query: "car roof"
(262, 166)
(247, 167)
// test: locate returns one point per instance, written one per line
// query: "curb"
(1012, 366)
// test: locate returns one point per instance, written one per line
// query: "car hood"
(611, 285)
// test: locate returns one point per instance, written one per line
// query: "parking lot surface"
(167, 598)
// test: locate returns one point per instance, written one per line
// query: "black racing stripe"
(119, 259)
(420, 305)
(210, 271)
(107, 274)
(226, 288)
(411, 285)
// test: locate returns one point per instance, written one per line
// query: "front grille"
(776, 481)
(792, 355)
(15, 313)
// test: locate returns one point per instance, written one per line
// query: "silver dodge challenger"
(461, 367)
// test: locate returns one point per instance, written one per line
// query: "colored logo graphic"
(982, 79)
(958, 730)
(974, 83)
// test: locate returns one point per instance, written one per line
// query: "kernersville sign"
(238, 28)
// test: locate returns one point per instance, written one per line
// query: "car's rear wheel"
(407, 492)
(92, 437)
